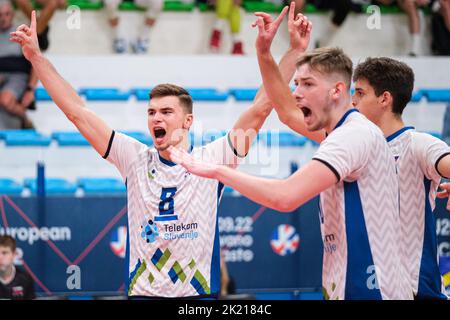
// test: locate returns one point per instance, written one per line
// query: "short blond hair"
(329, 61)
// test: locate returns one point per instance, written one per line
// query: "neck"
(390, 123)
(337, 113)
(183, 144)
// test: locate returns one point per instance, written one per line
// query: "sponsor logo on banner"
(119, 241)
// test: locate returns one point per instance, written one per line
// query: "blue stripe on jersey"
(429, 276)
(215, 261)
(397, 133)
(127, 261)
(346, 114)
(359, 255)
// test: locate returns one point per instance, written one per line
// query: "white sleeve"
(345, 151)
(122, 151)
(429, 151)
(221, 151)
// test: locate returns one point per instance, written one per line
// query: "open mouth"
(159, 132)
(306, 111)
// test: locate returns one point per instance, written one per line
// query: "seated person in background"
(227, 11)
(140, 45)
(15, 283)
(340, 8)
(411, 8)
(46, 13)
(17, 81)
(440, 27)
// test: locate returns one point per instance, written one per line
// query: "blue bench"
(10, 187)
(101, 185)
(70, 138)
(139, 136)
(243, 94)
(437, 95)
(42, 95)
(207, 94)
(104, 94)
(141, 94)
(26, 138)
(53, 186)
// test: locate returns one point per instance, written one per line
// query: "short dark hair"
(329, 60)
(386, 74)
(167, 89)
(8, 241)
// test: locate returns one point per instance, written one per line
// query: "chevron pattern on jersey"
(379, 195)
(176, 272)
(159, 258)
(199, 283)
(138, 270)
(195, 204)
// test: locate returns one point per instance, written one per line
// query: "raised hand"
(27, 38)
(197, 167)
(299, 29)
(445, 193)
(267, 28)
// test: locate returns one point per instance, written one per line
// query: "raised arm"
(251, 121)
(282, 195)
(95, 130)
(276, 88)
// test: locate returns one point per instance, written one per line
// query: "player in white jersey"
(173, 244)
(353, 171)
(383, 88)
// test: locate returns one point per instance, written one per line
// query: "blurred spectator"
(446, 127)
(17, 81)
(141, 44)
(227, 12)
(48, 9)
(440, 27)
(340, 8)
(15, 283)
(411, 8)
(226, 281)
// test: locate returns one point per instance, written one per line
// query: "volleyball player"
(173, 240)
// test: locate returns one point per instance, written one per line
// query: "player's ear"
(339, 88)
(188, 119)
(386, 99)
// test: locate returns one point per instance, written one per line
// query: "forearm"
(267, 192)
(61, 92)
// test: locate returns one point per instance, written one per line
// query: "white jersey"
(417, 156)
(173, 248)
(359, 215)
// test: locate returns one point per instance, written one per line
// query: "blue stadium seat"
(228, 190)
(5, 133)
(207, 94)
(141, 94)
(437, 95)
(104, 94)
(243, 94)
(70, 138)
(140, 136)
(101, 185)
(42, 95)
(53, 186)
(417, 96)
(10, 187)
(26, 138)
(285, 139)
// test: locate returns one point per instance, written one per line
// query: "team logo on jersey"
(119, 241)
(284, 240)
(149, 231)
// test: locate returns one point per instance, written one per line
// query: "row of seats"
(60, 186)
(203, 6)
(212, 94)
(13, 138)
